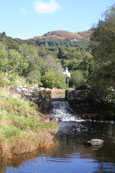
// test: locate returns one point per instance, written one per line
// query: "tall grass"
(20, 128)
(11, 79)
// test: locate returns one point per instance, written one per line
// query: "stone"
(42, 97)
(96, 142)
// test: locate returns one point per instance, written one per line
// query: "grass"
(11, 104)
(11, 79)
(20, 128)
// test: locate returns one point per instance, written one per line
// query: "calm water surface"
(71, 154)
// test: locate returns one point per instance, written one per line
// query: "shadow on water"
(72, 155)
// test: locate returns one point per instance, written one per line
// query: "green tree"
(102, 79)
(60, 80)
(49, 80)
(34, 76)
(14, 61)
(104, 34)
(53, 80)
(86, 66)
(52, 62)
(77, 79)
(3, 57)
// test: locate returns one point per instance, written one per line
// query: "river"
(71, 154)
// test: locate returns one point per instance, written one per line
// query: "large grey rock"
(96, 142)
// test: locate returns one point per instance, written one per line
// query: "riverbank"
(84, 104)
(21, 130)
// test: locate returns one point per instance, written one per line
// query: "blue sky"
(29, 18)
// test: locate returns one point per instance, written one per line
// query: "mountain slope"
(62, 34)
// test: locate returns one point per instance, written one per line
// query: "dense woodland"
(44, 65)
(41, 62)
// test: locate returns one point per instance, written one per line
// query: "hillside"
(62, 34)
(61, 38)
(85, 34)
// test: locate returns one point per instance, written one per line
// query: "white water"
(62, 112)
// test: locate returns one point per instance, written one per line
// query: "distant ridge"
(62, 34)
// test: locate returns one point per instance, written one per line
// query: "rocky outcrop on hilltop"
(62, 34)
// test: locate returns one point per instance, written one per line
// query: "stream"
(72, 155)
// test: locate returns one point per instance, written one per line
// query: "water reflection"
(72, 155)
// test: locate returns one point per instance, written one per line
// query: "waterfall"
(62, 112)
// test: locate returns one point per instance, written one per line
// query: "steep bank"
(20, 128)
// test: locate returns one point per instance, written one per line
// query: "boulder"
(96, 142)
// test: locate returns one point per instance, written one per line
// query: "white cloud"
(46, 7)
(23, 10)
